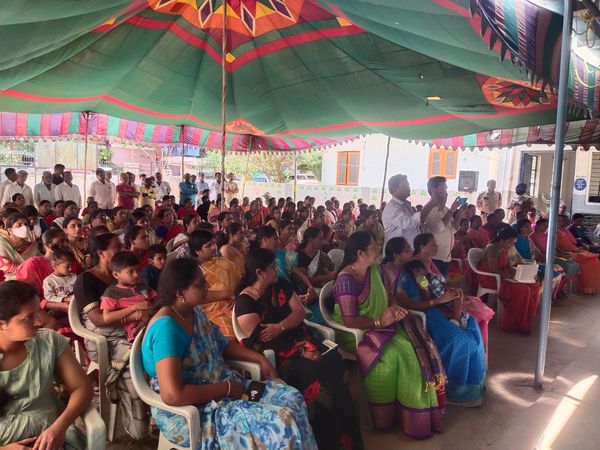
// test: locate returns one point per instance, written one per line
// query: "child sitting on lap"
(432, 285)
(58, 287)
(129, 301)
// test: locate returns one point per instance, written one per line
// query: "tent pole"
(85, 155)
(182, 142)
(246, 169)
(561, 112)
(387, 157)
(295, 174)
(223, 100)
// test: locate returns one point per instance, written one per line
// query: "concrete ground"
(564, 415)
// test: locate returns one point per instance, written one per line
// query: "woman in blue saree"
(183, 354)
(461, 350)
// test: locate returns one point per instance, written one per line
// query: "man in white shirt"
(45, 190)
(67, 190)
(112, 186)
(11, 177)
(215, 187)
(102, 191)
(162, 187)
(399, 217)
(18, 187)
(202, 184)
(440, 222)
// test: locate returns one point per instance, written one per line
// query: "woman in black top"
(88, 290)
(270, 313)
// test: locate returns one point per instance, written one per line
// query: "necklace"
(179, 314)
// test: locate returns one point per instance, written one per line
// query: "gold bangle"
(377, 323)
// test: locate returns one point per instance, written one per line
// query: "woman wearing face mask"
(31, 414)
(14, 246)
(221, 277)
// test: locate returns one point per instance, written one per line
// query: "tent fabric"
(21, 125)
(296, 69)
(583, 133)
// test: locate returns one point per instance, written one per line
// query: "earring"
(181, 298)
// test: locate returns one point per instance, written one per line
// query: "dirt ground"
(509, 389)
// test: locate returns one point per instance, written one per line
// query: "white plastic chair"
(95, 430)
(108, 410)
(326, 307)
(337, 257)
(151, 398)
(474, 257)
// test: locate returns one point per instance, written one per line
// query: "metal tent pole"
(85, 155)
(387, 157)
(223, 100)
(561, 112)
(295, 174)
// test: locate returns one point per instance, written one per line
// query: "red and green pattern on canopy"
(21, 125)
(296, 69)
(585, 133)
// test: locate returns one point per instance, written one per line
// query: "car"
(304, 177)
(261, 178)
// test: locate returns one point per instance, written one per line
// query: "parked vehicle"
(260, 177)
(304, 177)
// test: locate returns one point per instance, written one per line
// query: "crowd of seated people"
(186, 274)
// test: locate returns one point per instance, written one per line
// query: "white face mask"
(20, 232)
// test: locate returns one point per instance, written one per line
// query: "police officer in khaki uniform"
(488, 201)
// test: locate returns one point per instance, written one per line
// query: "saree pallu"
(396, 387)
(221, 275)
(589, 266)
(482, 315)
(463, 354)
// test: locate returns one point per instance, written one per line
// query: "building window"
(348, 164)
(529, 172)
(443, 163)
(594, 187)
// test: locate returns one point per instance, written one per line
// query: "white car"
(303, 178)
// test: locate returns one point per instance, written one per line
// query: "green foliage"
(276, 165)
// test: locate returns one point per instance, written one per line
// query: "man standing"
(162, 187)
(148, 193)
(112, 186)
(11, 177)
(18, 187)
(215, 187)
(520, 202)
(58, 176)
(187, 190)
(488, 201)
(231, 188)
(399, 217)
(45, 190)
(202, 184)
(125, 193)
(67, 191)
(102, 191)
(440, 222)
(195, 196)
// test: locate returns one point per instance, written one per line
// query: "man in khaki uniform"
(488, 201)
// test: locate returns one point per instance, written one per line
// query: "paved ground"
(513, 415)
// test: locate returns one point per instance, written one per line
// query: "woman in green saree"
(399, 363)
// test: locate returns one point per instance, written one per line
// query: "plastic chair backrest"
(337, 257)
(138, 377)
(239, 333)
(326, 300)
(475, 256)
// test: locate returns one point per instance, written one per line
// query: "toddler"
(129, 301)
(433, 286)
(157, 257)
(58, 287)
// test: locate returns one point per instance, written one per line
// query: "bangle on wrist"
(377, 323)
(228, 388)
(282, 327)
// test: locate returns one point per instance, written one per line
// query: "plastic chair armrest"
(327, 332)
(95, 430)
(252, 368)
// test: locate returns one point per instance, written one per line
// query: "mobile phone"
(462, 201)
(254, 391)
